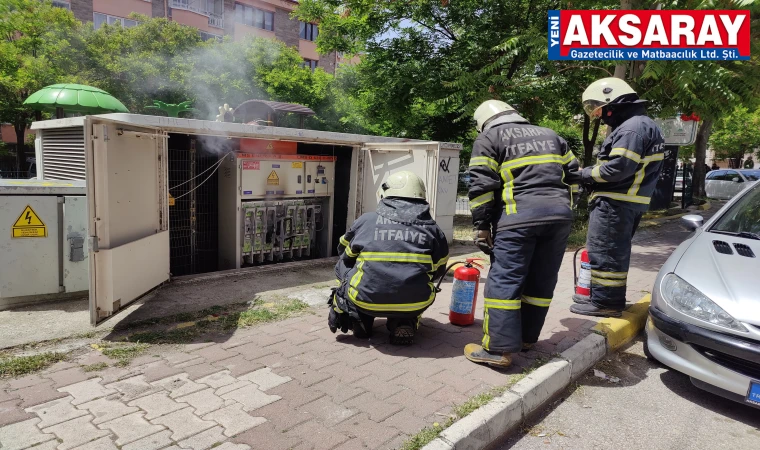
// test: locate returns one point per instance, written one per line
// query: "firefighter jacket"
(629, 161)
(389, 259)
(520, 174)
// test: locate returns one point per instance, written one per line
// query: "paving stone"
(49, 445)
(288, 350)
(156, 405)
(265, 379)
(276, 361)
(131, 428)
(200, 370)
(283, 414)
(114, 374)
(251, 397)
(315, 361)
(298, 337)
(407, 422)
(178, 385)
(352, 444)
(23, 382)
(146, 360)
(57, 367)
(12, 412)
(161, 371)
(262, 340)
(239, 366)
(372, 434)
(317, 436)
(306, 376)
(133, 387)
(454, 381)
(231, 446)
(338, 391)
(382, 371)
(76, 432)
(183, 424)
(104, 443)
(86, 391)
(345, 374)
(38, 393)
(254, 351)
(189, 363)
(328, 412)
(203, 401)
(232, 387)
(235, 420)
(152, 442)
(93, 357)
(22, 435)
(419, 406)
(381, 389)
(205, 440)
(274, 438)
(376, 409)
(106, 409)
(197, 346)
(218, 379)
(179, 357)
(215, 353)
(421, 386)
(5, 395)
(56, 411)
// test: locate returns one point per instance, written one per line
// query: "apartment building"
(214, 19)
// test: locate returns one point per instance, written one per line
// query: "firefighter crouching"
(621, 185)
(521, 210)
(388, 261)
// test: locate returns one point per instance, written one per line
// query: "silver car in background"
(724, 184)
(704, 319)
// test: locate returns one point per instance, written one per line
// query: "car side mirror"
(692, 221)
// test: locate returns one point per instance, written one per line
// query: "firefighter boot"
(582, 299)
(589, 309)
(363, 328)
(402, 331)
(478, 354)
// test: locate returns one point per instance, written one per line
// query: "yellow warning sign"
(270, 146)
(29, 225)
(298, 165)
(171, 200)
(273, 178)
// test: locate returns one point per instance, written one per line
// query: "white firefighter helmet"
(404, 184)
(488, 110)
(602, 92)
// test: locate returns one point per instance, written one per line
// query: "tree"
(736, 135)
(35, 52)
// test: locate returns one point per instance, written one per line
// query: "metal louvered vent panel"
(723, 247)
(744, 250)
(63, 154)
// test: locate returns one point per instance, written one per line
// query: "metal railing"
(462, 206)
(216, 20)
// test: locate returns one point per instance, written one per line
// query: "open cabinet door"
(127, 212)
(383, 159)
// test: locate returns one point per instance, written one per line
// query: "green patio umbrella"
(78, 98)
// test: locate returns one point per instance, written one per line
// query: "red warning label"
(251, 165)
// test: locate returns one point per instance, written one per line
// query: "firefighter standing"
(621, 185)
(521, 210)
(388, 261)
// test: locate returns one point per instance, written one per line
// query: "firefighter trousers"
(524, 269)
(611, 228)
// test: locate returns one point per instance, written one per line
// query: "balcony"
(216, 20)
(205, 8)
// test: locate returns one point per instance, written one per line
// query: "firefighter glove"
(484, 241)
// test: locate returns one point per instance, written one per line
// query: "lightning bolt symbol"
(28, 218)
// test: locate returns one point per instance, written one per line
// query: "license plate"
(753, 395)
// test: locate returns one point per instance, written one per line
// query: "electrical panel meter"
(286, 176)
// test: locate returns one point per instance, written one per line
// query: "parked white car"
(724, 184)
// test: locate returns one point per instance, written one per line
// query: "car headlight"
(685, 298)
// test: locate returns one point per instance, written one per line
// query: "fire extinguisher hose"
(438, 286)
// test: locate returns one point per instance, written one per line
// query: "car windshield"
(743, 216)
(751, 175)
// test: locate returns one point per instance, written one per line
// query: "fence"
(463, 206)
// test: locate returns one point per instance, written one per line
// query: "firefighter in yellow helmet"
(388, 260)
(521, 211)
(621, 186)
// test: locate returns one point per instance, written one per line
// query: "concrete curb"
(491, 422)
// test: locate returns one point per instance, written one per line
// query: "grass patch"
(95, 367)
(15, 366)
(428, 434)
(463, 228)
(268, 313)
(124, 354)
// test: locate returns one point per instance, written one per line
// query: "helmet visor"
(590, 107)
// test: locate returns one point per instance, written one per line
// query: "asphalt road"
(650, 407)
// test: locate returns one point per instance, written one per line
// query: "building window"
(310, 63)
(62, 4)
(100, 19)
(309, 31)
(208, 36)
(254, 17)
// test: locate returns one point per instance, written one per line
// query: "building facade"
(215, 19)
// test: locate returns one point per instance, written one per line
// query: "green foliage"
(736, 134)
(124, 354)
(569, 131)
(16, 366)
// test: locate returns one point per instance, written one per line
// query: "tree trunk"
(588, 142)
(700, 153)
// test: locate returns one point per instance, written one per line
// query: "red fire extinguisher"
(464, 293)
(582, 277)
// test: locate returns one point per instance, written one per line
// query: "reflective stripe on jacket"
(390, 258)
(629, 163)
(520, 174)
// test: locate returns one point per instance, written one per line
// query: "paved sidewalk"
(291, 384)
